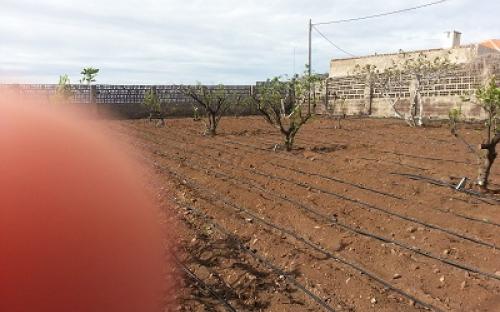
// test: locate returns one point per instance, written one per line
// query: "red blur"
(78, 230)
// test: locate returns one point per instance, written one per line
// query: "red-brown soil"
(332, 215)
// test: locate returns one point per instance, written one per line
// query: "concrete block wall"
(439, 96)
(126, 100)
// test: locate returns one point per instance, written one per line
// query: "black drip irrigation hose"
(242, 247)
(376, 208)
(395, 163)
(386, 211)
(370, 206)
(334, 179)
(194, 186)
(330, 178)
(474, 219)
(269, 139)
(424, 157)
(471, 149)
(437, 182)
(334, 221)
(466, 217)
(286, 157)
(249, 145)
(404, 165)
(469, 218)
(458, 265)
(360, 232)
(200, 284)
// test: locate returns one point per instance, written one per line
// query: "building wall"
(345, 67)
(352, 95)
(345, 89)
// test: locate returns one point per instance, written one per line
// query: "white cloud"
(183, 41)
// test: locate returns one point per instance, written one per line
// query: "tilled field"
(346, 222)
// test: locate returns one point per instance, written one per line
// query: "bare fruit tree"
(215, 101)
(288, 104)
(423, 71)
(336, 109)
(371, 76)
(418, 72)
(391, 83)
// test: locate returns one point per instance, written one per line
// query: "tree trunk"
(370, 103)
(420, 109)
(414, 101)
(369, 97)
(411, 115)
(289, 138)
(485, 169)
(212, 124)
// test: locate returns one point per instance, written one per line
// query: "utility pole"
(294, 70)
(310, 47)
(309, 63)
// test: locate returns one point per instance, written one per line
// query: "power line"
(382, 14)
(331, 42)
(312, 25)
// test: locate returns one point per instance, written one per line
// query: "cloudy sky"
(214, 41)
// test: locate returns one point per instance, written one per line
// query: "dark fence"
(127, 100)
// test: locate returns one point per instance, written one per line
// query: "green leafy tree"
(88, 75)
(151, 101)
(215, 101)
(454, 117)
(153, 105)
(282, 102)
(63, 90)
(489, 99)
